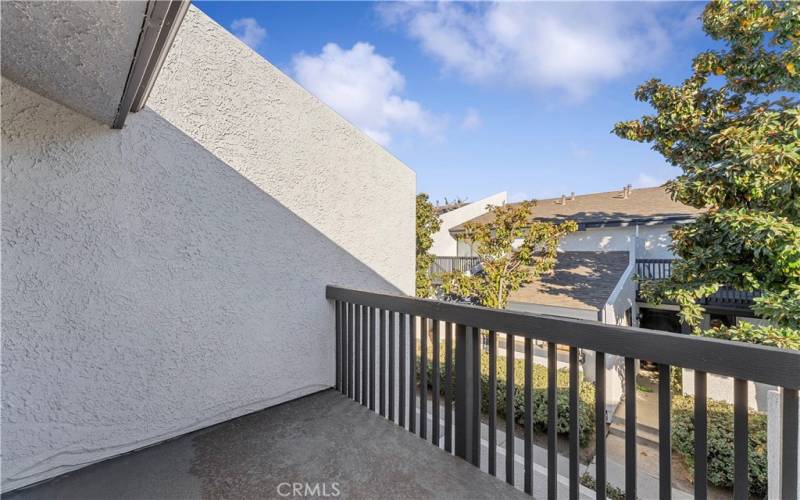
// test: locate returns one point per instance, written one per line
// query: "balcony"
(725, 299)
(366, 434)
(443, 265)
(324, 440)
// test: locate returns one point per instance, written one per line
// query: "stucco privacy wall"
(263, 124)
(152, 281)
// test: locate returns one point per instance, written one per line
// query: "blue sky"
(480, 98)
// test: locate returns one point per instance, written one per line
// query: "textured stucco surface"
(171, 275)
(444, 244)
(263, 124)
(76, 53)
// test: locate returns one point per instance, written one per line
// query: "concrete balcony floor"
(320, 439)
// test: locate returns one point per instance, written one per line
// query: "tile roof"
(581, 280)
(642, 204)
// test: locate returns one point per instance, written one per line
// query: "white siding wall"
(171, 275)
(653, 241)
(443, 242)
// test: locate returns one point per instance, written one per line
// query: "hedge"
(585, 395)
(720, 442)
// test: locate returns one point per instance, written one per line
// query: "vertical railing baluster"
(492, 402)
(351, 338)
(448, 387)
(401, 403)
(382, 347)
(475, 394)
(552, 411)
(357, 355)
(630, 429)
(664, 433)
(337, 309)
(600, 424)
(346, 347)
(528, 417)
(391, 364)
(435, 384)
(371, 317)
(789, 443)
(700, 436)
(423, 390)
(574, 485)
(510, 409)
(367, 340)
(741, 481)
(412, 375)
(467, 401)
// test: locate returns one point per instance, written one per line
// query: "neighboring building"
(171, 275)
(621, 235)
(445, 243)
(593, 278)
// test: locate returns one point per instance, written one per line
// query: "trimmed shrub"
(720, 442)
(539, 416)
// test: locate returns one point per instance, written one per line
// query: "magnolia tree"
(427, 224)
(512, 252)
(733, 128)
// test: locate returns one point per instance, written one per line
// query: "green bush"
(585, 395)
(720, 442)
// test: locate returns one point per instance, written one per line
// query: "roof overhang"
(620, 222)
(98, 58)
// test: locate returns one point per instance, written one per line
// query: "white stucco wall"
(653, 240)
(43, 43)
(171, 275)
(444, 245)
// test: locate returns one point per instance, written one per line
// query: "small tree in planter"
(512, 252)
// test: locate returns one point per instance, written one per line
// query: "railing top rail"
(758, 363)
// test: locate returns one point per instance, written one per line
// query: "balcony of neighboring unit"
(442, 265)
(726, 299)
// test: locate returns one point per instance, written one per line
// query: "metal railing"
(657, 269)
(392, 326)
(442, 265)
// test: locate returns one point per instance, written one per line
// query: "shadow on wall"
(148, 289)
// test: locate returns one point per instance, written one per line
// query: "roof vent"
(563, 199)
(572, 195)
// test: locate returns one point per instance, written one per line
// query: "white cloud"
(472, 119)
(249, 31)
(647, 180)
(364, 88)
(568, 47)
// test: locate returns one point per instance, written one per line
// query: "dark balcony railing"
(449, 264)
(395, 324)
(726, 297)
